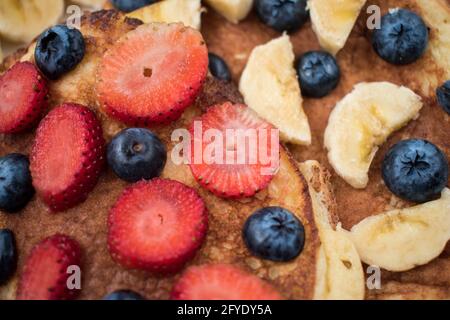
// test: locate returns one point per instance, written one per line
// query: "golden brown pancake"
(87, 222)
(358, 62)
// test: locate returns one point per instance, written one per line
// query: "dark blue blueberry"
(218, 67)
(415, 170)
(59, 50)
(135, 154)
(318, 73)
(274, 233)
(16, 189)
(402, 38)
(123, 295)
(282, 15)
(443, 96)
(131, 5)
(8, 255)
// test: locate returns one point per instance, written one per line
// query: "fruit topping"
(400, 240)
(157, 226)
(274, 233)
(443, 96)
(282, 15)
(59, 50)
(135, 154)
(152, 74)
(23, 93)
(333, 20)
(221, 282)
(402, 38)
(130, 5)
(361, 122)
(233, 10)
(16, 189)
(8, 255)
(67, 156)
(415, 170)
(123, 295)
(45, 273)
(236, 166)
(270, 86)
(218, 67)
(318, 73)
(187, 12)
(22, 21)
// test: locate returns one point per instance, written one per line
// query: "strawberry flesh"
(235, 179)
(157, 226)
(221, 282)
(23, 92)
(44, 276)
(67, 156)
(152, 74)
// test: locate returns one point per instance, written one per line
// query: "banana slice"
(187, 12)
(339, 273)
(233, 10)
(96, 4)
(333, 20)
(361, 122)
(22, 20)
(400, 240)
(270, 87)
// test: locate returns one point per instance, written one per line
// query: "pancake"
(358, 63)
(87, 222)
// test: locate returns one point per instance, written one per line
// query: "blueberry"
(131, 5)
(123, 295)
(8, 255)
(282, 15)
(318, 73)
(415, 170)
(402, 38)
(218, 67)
(16, 189)
(59, 50)
(443, 96)
(136, 154)
(274, 233)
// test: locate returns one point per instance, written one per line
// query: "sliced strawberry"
(23, 92)
(67, 156)
(152, 74)
(221, 282)
(44, 276)
(232, 179)
(157, 225)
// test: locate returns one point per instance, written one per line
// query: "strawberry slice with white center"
(221, 282)
(23, 92)
(152, 74)
(244, 156)
(157, 226)
(67, 156)
(44, 276)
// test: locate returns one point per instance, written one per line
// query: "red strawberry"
(232, 179)
(153, 74)
(44, 276)
(221, 282)
(23, 92)
(157, 226)
(67, 156)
